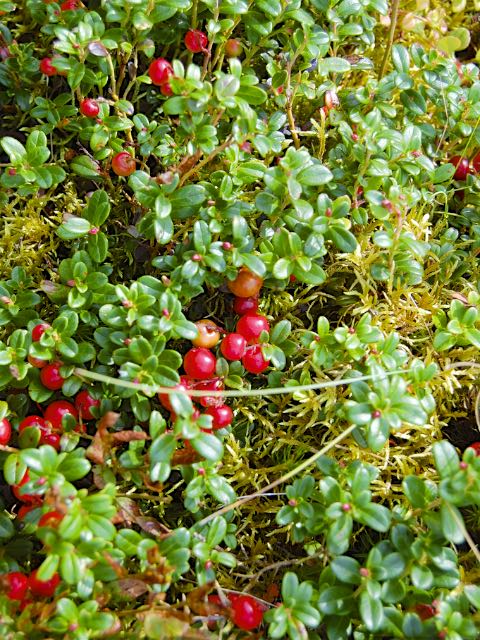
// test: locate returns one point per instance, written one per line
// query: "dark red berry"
(89, 108)
(166, 89)
(84, 403)
(40, 423)
(24, 509)
(196, 40)
(222, 416)
(51, 519)
(56, 411)
(425, 611)
(246, 284)
(199, 363)
(53, 439)
(476, 163)
(241, 306)
(254, 361)
(247, 613)
(43, 588)
(233, 346)
(17, 585)
(251, 325)
(47, 68)
(160, 71)
(123, 164)
(69, 5)
(209, 385)
(462, 168)
(5, 431)
(38, 363)
(38, 331)
(50, 377)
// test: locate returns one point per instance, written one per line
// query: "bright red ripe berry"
(166, 89)
(25, 497)
(51, 519)
(222, 416)
(53, 439)
(160, 71)
(233, 48)
(254, 361)
(69, 5)
(38, 331)
(241, 306)
(210, 385)
(38, 363)
(5, 431)
(251, 325)
(47, 68)
(123, 164)
(89, 108)
(199, 363)
(183, 385)
(233, 346)
(476, 447)
(17, 585)
(246, 284)
(56, 411)
(35, 421)
(50, 377)
(43, 588)
(462, 167)
(247, 614)
(84, 403)
(196, 40)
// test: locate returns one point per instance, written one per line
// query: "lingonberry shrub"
(172, 175)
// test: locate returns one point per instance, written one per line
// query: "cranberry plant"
(227, 402)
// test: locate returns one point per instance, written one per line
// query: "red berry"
(166, 89)
(55, 412)
(196, 40)
(35, 421)
(254, 361)
(222, 416)
(160, 71)
(476, 447)
(210, 385)
(233, 346)
(199, 363)
(247, 614)
(5, 431)
(47, 68)
(251, 325)
(476, 163)
(24, 509)
(208, 334)
(50, 377)
(38, 331)
(123, 164)
(233, 48)
(38, 363)
(89, 108)
(43, 588)
(462, 168)
(241, 306)
(51, 519)
(53, 439)
(25, 497)
(17, 585)
(69, 5)
(246, 284)
(84, 403)
(425, 611)
(183, 385)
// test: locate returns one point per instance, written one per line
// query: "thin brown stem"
(391, 36)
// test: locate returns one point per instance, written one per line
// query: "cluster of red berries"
(19, 587)
(463, 166)
(199, 363)
(246, 612)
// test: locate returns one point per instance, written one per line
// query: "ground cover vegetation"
(239, 319)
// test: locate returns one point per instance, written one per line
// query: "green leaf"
(73, 228)
(208, 446)
(346, 569)
(371, 611)
(446, 458)
(333, 65)
(14, 149)
(451, 521)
